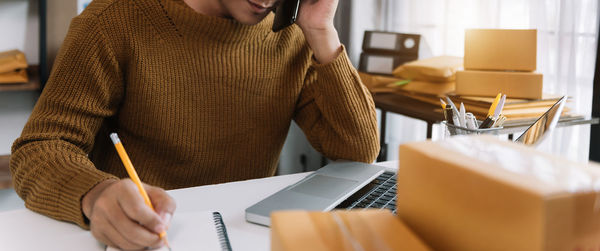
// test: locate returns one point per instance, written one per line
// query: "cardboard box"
(480, 193)
(341, 230)
(435, 69)
(526, 85)
(15, 77)
(496, 49)
(11, 61)
(380, 84)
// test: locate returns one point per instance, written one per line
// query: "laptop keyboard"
(380, 193)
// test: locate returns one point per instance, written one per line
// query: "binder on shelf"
(382, 63)
(392, 43)
(384, 51)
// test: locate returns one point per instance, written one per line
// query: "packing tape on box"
(346, 232)
(560, 173)
(356, 245)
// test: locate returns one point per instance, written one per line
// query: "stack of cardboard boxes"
(500, 61)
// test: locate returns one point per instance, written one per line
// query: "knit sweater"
(195, 99)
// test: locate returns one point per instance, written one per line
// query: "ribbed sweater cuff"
(64, 177)
(341, 62)
(73, 190)
(338, 75)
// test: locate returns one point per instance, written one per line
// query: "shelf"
(5, 181)
(33, 85)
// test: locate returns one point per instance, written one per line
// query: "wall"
(60, 13)
(19, 26)
(15, 108)
(20, 20)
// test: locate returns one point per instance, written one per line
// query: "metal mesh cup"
(451, 130)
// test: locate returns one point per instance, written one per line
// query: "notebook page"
(190, 231)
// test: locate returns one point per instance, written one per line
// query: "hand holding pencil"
(161, 229)
(119, 216)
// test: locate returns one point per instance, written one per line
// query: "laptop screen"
(538, 130)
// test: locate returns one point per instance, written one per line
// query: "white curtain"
(566, 53)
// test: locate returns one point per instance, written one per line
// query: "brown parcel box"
(436, 69)
(385, 84)
(12, 60)
(495, 49)
(489, 83)
(341, 230)
(14, 77)
(480, 193)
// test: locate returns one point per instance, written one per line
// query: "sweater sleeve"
(49, 162)
(337, 113)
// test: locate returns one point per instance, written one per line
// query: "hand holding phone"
(285, 14)
(315, 19)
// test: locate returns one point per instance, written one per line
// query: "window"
(566, 53)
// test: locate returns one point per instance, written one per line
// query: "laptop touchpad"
(324, 186)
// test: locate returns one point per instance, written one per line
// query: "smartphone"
(285, 14)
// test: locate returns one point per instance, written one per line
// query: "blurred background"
(566, 54)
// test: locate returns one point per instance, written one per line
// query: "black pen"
(487, 123)
(449, 114)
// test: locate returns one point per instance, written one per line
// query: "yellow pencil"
(494, 104)
(134, 177)
(443, 104)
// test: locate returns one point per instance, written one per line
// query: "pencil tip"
(167, 243)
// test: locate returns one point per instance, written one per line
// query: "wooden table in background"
(432, 114)
(407, 106)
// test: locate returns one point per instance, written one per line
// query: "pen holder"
(451, 130)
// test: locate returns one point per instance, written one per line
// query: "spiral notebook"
(191, 231)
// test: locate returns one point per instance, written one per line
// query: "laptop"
(539, 129)
(353, 185)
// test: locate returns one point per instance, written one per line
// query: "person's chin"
(250, 18)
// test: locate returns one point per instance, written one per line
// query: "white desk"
(26, 230)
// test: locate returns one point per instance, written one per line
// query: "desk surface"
(432, 114)
(408, 106)
(26, 230)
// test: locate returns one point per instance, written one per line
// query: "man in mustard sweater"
(199, 91)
